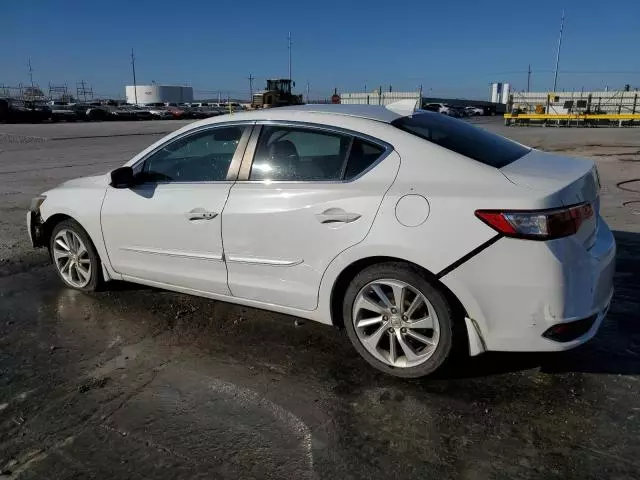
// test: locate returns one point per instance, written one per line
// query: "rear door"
(304, 194)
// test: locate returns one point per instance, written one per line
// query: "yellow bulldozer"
(277, 94)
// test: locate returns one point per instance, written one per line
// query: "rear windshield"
(463, 138)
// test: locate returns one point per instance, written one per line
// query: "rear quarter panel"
(454, 187)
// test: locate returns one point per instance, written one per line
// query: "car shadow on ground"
(614, 350)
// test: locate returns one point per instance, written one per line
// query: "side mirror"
(122, 177)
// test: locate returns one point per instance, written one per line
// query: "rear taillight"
(537, 224)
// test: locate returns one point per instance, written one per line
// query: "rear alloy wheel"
(397, 320)
(75, 257)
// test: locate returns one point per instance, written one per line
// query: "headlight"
(36, 202)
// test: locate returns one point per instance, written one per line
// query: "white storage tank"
(500, 92)
(496, 90)
(506, 90)
(145, 94)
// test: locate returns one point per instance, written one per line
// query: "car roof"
(378, 113)
(372, 112)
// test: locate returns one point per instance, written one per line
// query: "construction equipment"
(277, 94)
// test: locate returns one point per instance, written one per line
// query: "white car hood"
(87, 182)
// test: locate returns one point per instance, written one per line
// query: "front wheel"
(398, 321)
(74, 256)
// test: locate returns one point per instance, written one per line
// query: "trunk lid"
(565, 180)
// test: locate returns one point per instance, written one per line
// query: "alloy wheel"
(396, 323)
(71, 258)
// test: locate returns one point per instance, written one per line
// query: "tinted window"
(298, 154)
(362, 155)
(463, 138)
(202, 157)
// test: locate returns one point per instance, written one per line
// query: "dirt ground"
(140, 383)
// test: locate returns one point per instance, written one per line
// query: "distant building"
(377, 97)
(145, 94)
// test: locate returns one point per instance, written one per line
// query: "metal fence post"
(620, 104)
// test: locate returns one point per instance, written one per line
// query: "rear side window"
(362, 155)
(298, 154)
(463, 138)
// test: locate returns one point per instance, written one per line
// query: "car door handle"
(337, 215)
(200, 214)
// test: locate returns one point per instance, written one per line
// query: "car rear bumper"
(516, 290)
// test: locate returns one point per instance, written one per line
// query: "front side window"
(463, 138)
(305, 154)
(202, 157)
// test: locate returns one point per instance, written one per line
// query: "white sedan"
(414, 231)
(473, 111)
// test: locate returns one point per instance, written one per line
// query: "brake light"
(537, 224)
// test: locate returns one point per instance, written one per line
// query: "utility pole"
(289, 44)
(133, 68)
(308, 85)
(31, 75)
(251, 78)
(555, 75)
(529, 79)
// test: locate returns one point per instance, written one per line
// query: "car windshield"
(463, 138)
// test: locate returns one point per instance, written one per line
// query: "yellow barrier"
(579, 116)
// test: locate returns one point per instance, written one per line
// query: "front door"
(167, 228)
(310, 194)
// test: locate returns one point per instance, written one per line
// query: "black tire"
(95, 281)
(419, 280)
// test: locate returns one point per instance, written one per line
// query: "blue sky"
(452, 48)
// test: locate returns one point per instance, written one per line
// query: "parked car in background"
(63, 111)
(416, 232)
(178, 112)
(474, 111)
(142, 114)
(130, 112)
(160, 113)
(122, 113)
(439, 107)
(456, 111)
(95, 111)
(23, 111)
(207, 112)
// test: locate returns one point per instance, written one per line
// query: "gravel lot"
(141, 383)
